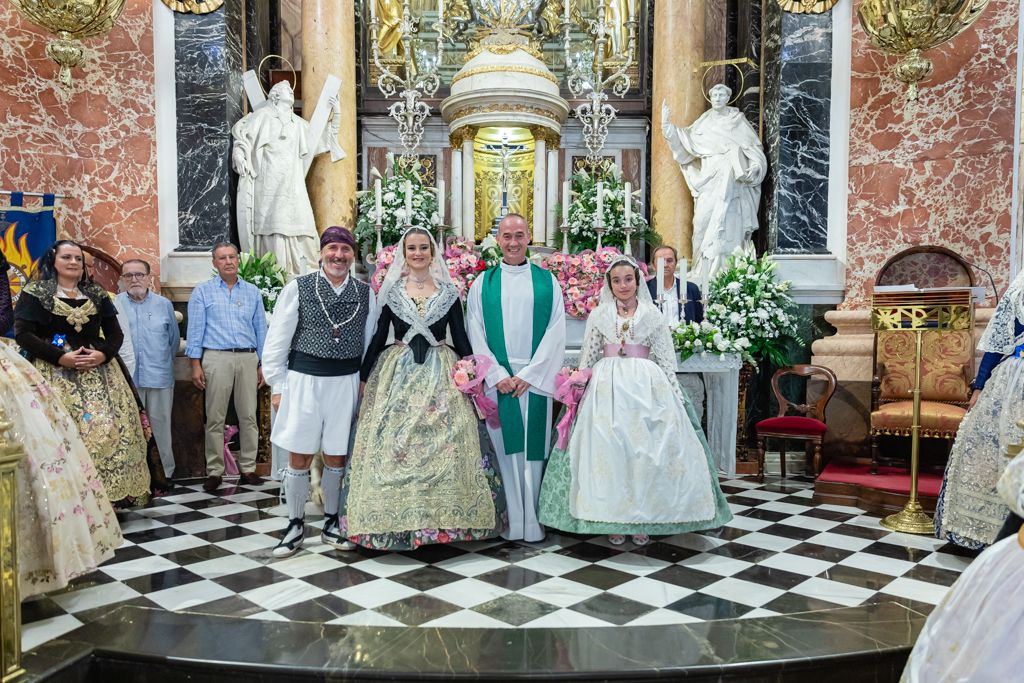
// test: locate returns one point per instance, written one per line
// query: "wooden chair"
(808, 427)
(104, 268)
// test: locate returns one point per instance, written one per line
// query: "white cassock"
(305, 398)
(520, 476)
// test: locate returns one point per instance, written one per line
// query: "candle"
(373, 10)
(440, 199)
(440, 11)
(566, 198)
(568, 5)
(683, 274)
(661, 278)
(629, 205)
(632, 10)
(379, 201)
(408, 202)
(600, 201)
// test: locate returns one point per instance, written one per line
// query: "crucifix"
(505, 152)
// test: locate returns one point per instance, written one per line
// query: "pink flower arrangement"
(464, 264)
(580, 277)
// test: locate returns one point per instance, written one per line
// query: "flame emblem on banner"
(19, 258)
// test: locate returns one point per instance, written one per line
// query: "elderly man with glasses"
(155, 337)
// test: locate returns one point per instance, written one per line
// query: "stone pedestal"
(678, 51)
(329, 47)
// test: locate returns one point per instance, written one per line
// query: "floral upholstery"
(947, 360)
(937, 419)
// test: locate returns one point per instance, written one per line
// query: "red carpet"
(892, 479)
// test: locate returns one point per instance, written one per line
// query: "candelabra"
(599, 229)
(417, 80)
(628, 230)
(596, 115)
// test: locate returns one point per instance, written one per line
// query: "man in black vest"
(322, 323)
(676, 308)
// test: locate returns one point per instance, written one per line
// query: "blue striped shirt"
(220, 318)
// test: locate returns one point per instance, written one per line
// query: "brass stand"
(916, 312)
(10, 598)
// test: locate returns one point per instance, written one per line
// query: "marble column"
(467, 135)
(329, 48)
(540, 179)
(456, 185)
(797, 104)
(678, 51)
(208, 93)
(551, 218)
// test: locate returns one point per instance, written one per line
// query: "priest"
(517, 319)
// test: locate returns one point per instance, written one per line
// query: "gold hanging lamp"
(70, 20)
(909, 27)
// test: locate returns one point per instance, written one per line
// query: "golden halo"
(739, 90)
(295, 77)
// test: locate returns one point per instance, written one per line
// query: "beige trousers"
(228, 372)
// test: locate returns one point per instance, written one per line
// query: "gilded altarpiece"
(487, 169)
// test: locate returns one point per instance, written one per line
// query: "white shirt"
(286, 319)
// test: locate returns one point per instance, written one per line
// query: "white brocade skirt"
(634, 455)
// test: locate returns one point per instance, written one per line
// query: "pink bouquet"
(469, 374)
(569, 387)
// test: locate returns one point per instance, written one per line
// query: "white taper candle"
(379, 201)
(408, 202)
(440, 199)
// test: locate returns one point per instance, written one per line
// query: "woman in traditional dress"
(68, 327)
(969, 512)
(418, 473)
(974, 634)
(66, 526)
(636, 462)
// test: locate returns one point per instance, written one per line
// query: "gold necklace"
(420, 284)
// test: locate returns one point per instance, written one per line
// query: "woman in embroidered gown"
(974, 634)
(969, 512)
(66, 526)
(58, 321)
(636, 462)
(418, 474)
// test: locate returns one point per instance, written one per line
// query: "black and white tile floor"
(195, 552)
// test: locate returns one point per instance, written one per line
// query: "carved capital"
(459, 137)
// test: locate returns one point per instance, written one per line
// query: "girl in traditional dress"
(66, 526)
(418, 474)
(58, 322)
(636, 461)
(969, 512)
(975, 632)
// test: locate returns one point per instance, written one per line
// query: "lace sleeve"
(593, 345)
(663, 353)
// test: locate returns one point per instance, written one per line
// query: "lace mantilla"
(1000, 335)
(437, 306)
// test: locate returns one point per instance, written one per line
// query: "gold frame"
(11, 453)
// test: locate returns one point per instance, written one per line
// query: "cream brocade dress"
(419, 474)
(974, 635)
(636, 462)
(66, 525)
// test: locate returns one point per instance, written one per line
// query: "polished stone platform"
(788, 590)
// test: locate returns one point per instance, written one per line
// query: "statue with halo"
(723, 163)
(271, 154)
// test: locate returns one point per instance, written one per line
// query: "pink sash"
(626, 351)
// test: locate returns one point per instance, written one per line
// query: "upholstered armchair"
(947, 367)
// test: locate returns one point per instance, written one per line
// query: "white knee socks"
(296, 490)
(330, 486)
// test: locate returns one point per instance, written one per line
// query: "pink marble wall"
(94, 141)
(939, 171)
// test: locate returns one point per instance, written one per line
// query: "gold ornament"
(71, 20)
(194, 6)
(908, 27)
(10, 600)
(807, 6)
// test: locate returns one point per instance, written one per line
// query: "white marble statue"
(269, 155)
(723, 163)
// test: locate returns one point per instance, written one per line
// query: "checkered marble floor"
(195, 552)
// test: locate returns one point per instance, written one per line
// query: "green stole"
(534, 442)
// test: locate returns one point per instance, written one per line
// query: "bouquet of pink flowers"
(579, 276)
(385, 257)
(570, 384)
(468, 374)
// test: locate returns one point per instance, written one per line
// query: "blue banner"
(25, 235)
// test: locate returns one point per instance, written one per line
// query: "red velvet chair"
(808, 427)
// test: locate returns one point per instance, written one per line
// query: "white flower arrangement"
(704, 338)
(265, 274)
(584, 207)
(745, 301)
(394, 218)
